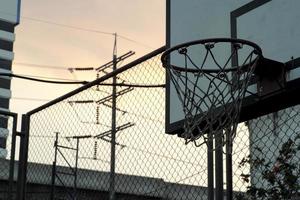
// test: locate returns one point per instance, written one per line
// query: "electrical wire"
(38, 78)
(131, 148)
(56, 67)
(46, 77)
(67, 26)
(57, 24)
(42, 80)
(134, 85)
(134, 41)
(78, 28)
(30, 99)
(40, 65)
(178, 181)
(129, 113)
(88, 30)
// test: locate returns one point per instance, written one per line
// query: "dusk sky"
(139, 23)
(144, 142)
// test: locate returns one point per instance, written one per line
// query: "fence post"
(219, 166)
(229, 189)
(210, 166)
(54, 167)
(22, 171)
(76, 167)
(12, 157)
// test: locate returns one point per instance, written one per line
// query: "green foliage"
(282, 177)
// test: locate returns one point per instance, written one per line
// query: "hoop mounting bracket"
(271, 76)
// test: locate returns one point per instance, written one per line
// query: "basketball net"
(211, 85)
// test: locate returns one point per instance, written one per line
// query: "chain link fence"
(71, 154)
(8, 168)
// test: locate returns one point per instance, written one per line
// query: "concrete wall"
(92, 184)
(9, 18)
(40, 191)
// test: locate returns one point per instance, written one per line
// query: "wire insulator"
(97, 114)
(84, 68)
(97, 76)
(95, 150)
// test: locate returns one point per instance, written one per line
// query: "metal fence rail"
(148, 164)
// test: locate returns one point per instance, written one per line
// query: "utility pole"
(109, 101)
(112, 192)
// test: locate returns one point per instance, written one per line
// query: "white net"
(211, 84)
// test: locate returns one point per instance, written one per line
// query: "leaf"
(246, 177)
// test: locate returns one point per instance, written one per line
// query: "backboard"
(271, 24)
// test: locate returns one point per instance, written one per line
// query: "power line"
(68, 26)
(58, 24)
(71, 69)
(51, 78)
(135, 85)
(176, 182)
(134, 41)
(30, 99)
(127, 112)
(134, 149)
(42, 80)
(57, 67)
(72, 81)
(41, 65)
(79, 28)
(87, 30)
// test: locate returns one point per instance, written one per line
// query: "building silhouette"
(9, 19)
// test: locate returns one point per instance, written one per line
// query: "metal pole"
(210, 166)
(54, 167)
(113, 129)
(22, 171)
(229, 190)
(219, 165)
(76, 167)
(12, 157)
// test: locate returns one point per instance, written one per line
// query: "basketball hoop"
(211, 78)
